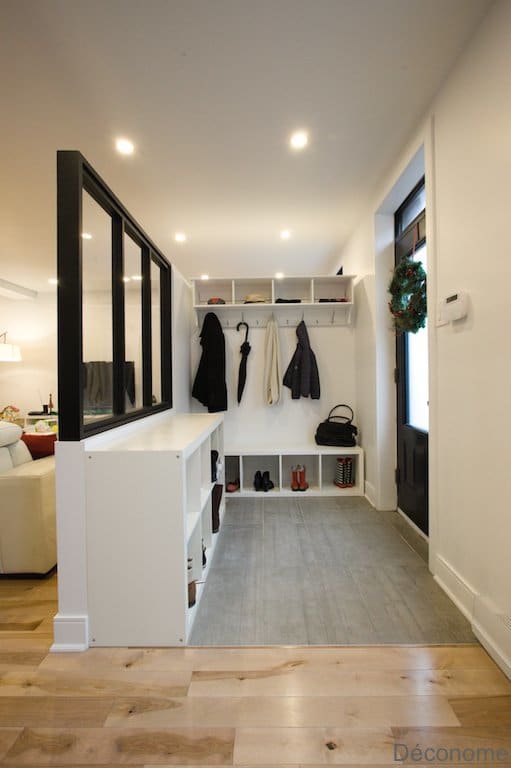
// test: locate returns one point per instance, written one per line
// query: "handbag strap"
(347, 419)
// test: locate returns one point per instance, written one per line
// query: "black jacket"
(209, 386)
(302, 375)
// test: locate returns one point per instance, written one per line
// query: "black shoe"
(267, 483)
(258, 481)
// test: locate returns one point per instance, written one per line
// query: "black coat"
(302, 375)
(209, 386)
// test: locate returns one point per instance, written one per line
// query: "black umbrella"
(245, 351)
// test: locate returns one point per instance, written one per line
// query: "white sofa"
(27, 506)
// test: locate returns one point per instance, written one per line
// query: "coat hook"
(333, 316)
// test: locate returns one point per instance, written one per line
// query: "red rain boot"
(295, 483)
(302, 482)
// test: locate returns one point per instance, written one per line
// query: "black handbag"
(337, 430)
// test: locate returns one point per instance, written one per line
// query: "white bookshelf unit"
(30, 421)
(323, 300)
(319, 460)
(149, 509)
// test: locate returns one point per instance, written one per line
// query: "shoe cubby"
(232, 472)
(311, 465)
(344, 471)
(193, 489)
(262, 463)
(206, 526)
(321, 470)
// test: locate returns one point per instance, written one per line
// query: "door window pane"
(412, 210)
(96, 310)
(133, 324)
(417, 369)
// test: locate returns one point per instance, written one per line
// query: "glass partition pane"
(156, 331)
(133, 324)
(97, 310)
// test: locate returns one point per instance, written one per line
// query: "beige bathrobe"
(272, 374)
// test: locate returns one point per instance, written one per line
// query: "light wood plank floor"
(320, 571)
(260, 707)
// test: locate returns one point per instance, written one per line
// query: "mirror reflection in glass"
(133, 324)
(96, 310)
(156, 332)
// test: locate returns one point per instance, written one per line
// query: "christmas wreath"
(408, 305)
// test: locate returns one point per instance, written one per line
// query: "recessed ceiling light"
(204, 277)
(126, 279)
(86, 236)
(180, 237)
(285, 234)
(299, 139)
(279, 275)
(136, 277)
(124, 146)
(53, 281)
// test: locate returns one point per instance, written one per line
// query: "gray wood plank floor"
(317, 572)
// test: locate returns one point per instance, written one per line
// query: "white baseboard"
(71, 633)
(460, 592)
(412, 525)
(492, 628)
(370, 493)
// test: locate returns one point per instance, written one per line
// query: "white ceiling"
(209, 91)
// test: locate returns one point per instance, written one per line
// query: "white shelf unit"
(149, 508)
(31, 421)
(319, 461)
(324, 300)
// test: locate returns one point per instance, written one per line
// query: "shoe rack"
(323, 300)
(321, 471)
(149, 515)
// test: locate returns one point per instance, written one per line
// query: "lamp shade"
(9, 353)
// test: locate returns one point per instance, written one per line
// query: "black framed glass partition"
(114, 308)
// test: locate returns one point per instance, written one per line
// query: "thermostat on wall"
(453, 307)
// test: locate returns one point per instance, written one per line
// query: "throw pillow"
(40, 445)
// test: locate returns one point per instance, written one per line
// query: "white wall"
(252, 423)
(33, 326)
(467, 177)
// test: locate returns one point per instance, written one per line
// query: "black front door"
(412, 378)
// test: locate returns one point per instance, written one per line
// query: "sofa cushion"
(9, 433)
(41, 444)
(19, 453)
(32, 469)
(5, 460)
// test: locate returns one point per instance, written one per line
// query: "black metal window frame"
(74, 176)
(414, 234)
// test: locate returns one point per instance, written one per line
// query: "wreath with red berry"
(408, 305)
